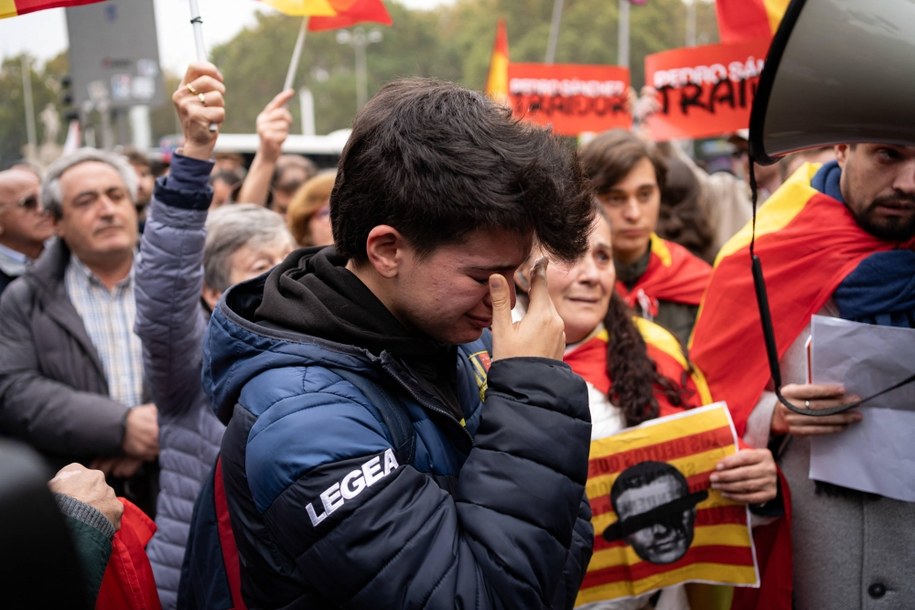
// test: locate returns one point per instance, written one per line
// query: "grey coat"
(851, 550)
(170, 324)
(50, 370)
(53, 390)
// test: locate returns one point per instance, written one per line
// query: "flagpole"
(296, 54)
(622, 52)
(554, 32)
(197, 26)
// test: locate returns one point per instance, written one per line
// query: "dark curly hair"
(634, 376)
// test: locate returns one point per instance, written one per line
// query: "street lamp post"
(359, 39)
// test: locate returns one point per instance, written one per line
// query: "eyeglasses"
(29, 203)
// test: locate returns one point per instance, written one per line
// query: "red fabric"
(30, 6)
(773, 556)
(227, 539)
(744, 20)
(803, 263)
(351, 12)
(497, 80)
(681, 279)
(129, 580)
(772, 541)
(589, 360)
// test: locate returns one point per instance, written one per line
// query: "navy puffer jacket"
(490, 513)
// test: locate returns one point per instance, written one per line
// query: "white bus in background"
(323, 150)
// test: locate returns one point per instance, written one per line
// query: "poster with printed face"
(570, 98)
(704, 91)
(657, 522)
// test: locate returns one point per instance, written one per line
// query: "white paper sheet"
(876, 454)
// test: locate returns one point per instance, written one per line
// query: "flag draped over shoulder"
(673, 274)
(497, 81)
(589, 360)
(807, 243)
(11, 8)
(744, 20)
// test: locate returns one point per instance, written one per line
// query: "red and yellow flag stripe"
(333, 14)
(743, 20)
(11, 8)
(497, 81)
(673, 274)
(807, 243)
(722, 548)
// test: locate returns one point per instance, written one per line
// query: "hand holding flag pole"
(320, 15)
(197, 26)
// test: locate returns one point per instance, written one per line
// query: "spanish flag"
(720, 548)
(673, 274)
(589, 361)
(11, 8)
(807, 243)
(333, 14)
(349, 13)
(743, 20)
(497, 81)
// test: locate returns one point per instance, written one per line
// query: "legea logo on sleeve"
(352, 485)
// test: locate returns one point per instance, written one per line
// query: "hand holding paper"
(819, 396)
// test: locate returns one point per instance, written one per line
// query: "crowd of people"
(378, 385)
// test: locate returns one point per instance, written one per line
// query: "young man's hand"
(541, 332)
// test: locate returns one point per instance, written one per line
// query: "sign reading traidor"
(570, 98)
(704, 91)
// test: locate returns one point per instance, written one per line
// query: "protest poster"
(704, 91)
(657, 522)
(570, 98)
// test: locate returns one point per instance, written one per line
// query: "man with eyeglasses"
(71, 370)
(24, 228)
(835, 240)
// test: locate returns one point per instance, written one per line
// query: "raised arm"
(273, 125)
(169, 273)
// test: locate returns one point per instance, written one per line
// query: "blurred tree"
(45, 89)
(162, 118)
(451, 42)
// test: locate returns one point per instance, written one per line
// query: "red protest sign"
(704, 91)
(570, 98)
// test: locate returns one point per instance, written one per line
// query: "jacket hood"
(238, 348)
(309, 308)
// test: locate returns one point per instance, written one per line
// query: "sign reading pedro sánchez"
(704, 91)
(570, 98)
(657, 522)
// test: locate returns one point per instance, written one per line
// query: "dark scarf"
(881, 290)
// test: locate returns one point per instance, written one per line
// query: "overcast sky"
(44, 33)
